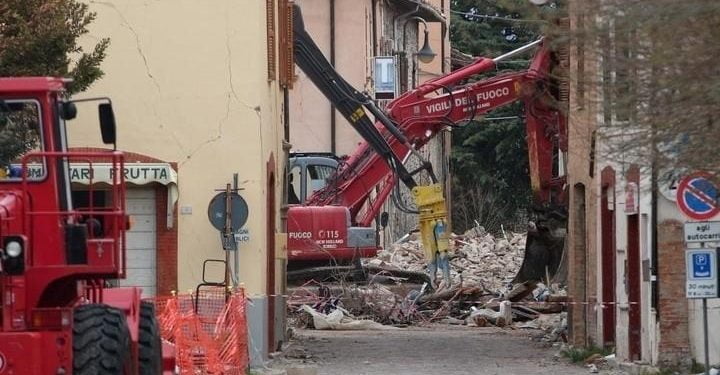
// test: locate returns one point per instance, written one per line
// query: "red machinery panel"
(317, 228)
(319, 232)
(28, 353)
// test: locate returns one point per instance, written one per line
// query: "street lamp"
(425, 54)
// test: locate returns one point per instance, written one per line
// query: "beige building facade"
(351, 34)
(196, 92)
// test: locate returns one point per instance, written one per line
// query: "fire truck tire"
(150, 346)
(101, 340)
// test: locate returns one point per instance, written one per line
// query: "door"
(633, 272)
(607, 222)
(141, 241)
(633, 268)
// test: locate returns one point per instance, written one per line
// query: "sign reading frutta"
(704, 231)
(701, 273)
(697, 196)
(139, 174)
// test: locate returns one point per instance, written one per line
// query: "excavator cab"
(308, 173)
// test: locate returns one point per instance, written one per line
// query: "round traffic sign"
(697, 196)
(668, 180)
(238, 211)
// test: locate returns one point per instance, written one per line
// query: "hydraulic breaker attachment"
(433, 229)
(545, 248)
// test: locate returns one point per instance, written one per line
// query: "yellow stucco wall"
(188, 80)
(309, 110)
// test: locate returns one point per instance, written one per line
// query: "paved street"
(437, 350)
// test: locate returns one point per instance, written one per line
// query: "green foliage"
(18, 131)
(477, 35)
(697, 367)
(40, 38)
(489, 158)
(577, 355)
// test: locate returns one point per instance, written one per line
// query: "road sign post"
(702, 282)
(702, 273)
(704, 231)
(228, 212)
(697, 196)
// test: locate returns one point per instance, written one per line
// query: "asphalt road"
(437, 350)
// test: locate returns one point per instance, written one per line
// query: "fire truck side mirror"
(107, 123)
(384, 218)
(68, 110)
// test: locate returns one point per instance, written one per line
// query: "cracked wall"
(189, 85)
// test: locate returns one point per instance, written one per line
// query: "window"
(294, 179)
(317, 177)
(20, 133)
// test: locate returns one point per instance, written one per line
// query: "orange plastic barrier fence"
(209, 330)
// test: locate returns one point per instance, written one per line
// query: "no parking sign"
(697, 196)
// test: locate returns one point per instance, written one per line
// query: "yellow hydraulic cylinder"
(433, 220)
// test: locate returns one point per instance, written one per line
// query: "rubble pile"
(552, 327)
(398, 291)
(479, 259)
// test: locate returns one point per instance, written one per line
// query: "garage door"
(141, 241)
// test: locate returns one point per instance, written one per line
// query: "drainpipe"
(286, 146)
(333, 116)
(286, 115)
(374, 27)
(443, 26)
(654, 280)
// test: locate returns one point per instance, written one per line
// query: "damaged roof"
(424, 9)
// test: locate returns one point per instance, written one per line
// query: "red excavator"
(56, 316)
(339, 200)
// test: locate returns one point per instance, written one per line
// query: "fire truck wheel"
(101, 340)
(150, 346)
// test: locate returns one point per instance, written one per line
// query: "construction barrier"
(208, 329)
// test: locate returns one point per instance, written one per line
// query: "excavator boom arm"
(420, 115)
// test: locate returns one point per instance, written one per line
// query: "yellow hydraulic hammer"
(433, 229)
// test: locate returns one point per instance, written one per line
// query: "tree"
(40, 38)
(654, 76)
(489, 157)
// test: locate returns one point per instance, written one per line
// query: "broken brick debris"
(398, 293)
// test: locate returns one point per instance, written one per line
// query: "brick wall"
(577, 271)
(674, 343)
(166, 245)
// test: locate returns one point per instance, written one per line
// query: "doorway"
(633, 274)
(607, 227)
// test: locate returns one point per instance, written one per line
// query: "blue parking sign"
(702, 273)
(701, 266)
